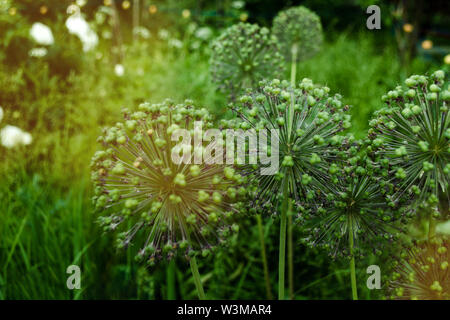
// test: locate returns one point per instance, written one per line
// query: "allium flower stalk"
(299, 32)
(174, 208)
(308, 121)
(410, 139)
(356, 211)
(422, 272)
(243, 55)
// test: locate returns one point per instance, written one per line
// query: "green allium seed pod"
(410, 140)
(299, 27)
(243, 55)
(356, 207)
(308, 139)
(421, 272)
(185, 208)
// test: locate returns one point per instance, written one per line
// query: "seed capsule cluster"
(187, 208)
(308, 121)
(243, 55)
(410, 137)
(300, 27)
(357, 204)
(422, 273)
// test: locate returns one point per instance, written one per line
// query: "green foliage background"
(46, 219)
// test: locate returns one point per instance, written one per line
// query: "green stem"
(352, 262)
(171, 281)
(290, 253)
(294, 51)
(264, 257)
(291, 105)
(197, 280)
(282, 251)
(432, 229)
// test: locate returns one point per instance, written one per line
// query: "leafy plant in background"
(410, 139)
(186, 208)
(299, 33)
(308, 120)
(422, 272)
(356, 212)
(243, 55)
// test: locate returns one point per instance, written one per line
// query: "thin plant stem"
(282, 250)
(197, 280)
(290, 253)
(294, 51)
(352, 261)
(264, 257)
(171, 280)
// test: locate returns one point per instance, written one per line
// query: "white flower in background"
(195, 45)
(73, 9)
(42, 34)
(163, 34)
(142, 32)
(238, 4)
(38, 52)
(79, 27)
(1, 114)
(204, 33)
(11, 136)
(119, 70)
(191, 28)
(175, 43)
(81, 3)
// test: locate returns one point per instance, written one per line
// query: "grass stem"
(264, 257)
(197, 280)
(282, 250)
(171, 281)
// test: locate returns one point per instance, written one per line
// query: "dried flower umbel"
(410, 139)
(185, 208)
(308, 121)
(355, 214)
(422, 272)
(243, 55)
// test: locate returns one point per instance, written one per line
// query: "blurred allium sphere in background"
(301, 27)
(410, 139)
(243, 55)
(187, 208)
(307, 144)
(422, 272)
(356, 206)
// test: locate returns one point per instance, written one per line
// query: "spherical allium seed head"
(410, 140)
(422, 272)
(298, 135)
(184, 207)
(243, 55)
(356, 206)
(299, 27)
